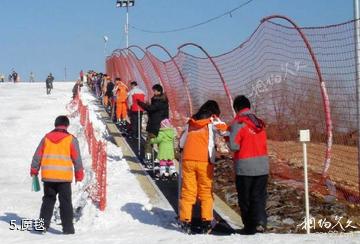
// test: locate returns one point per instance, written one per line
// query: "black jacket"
(109, 89)
(157, 111)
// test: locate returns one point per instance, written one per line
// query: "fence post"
(305, 137)
(357, 67)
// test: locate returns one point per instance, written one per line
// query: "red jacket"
(134, 95)
(248, 141)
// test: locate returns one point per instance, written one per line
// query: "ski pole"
(139, 131)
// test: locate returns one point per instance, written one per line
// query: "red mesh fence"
(275, 69)
(97, 149)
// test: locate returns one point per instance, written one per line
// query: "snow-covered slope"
(27, 113)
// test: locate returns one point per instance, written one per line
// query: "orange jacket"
(198, 139)
(58, 155)
(121, 93)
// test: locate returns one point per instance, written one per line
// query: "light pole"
(105, 42)
(126, 4)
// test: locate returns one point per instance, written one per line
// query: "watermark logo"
(28, 224)
(336, 224)
(261, 86)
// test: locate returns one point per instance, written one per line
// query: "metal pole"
(139, 131)
(306, 190)
(357, 67)
(127, 25)
(105, 42)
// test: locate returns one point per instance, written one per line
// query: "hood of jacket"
(199, 123)
(248, 118)
(57, 135)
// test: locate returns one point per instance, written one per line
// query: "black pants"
(134, 118)
(252, 194)
(51, 189)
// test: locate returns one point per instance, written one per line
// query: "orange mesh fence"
(97, 150)
(296, 78)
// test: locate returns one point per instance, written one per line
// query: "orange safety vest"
(56, 163)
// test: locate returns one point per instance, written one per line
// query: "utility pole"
(65, 73)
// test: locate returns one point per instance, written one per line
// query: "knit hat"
(165, 123)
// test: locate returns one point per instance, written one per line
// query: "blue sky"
(46, 36)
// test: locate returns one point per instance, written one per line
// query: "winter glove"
(33, 171)
(79, 175)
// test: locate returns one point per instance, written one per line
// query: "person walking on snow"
(248, 142)
(32, 77)
(14, 76)
(135, 96)
(121, 96)
(165, 141)
(58, 156)
(49, 83)
(197, 166)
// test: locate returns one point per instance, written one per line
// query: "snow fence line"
(97, 150)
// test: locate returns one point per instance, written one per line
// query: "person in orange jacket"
(197, 166)
(58, 156)
(121, 97)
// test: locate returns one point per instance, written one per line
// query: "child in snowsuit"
(165, 141)
(248, 142)
(197, 167)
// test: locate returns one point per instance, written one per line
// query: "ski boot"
(164, 175)
(173, 175)
(148, 161)
(186, 227)
(156, 166)
(206, 227)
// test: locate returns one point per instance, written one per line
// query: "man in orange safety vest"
(58, 156)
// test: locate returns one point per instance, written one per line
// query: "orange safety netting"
(97, 149)
(296, 78)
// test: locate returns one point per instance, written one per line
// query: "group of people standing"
(246, 138)
(14, 77)
(245, 135)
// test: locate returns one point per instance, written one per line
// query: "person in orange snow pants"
(197, 166)
(121, 96)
